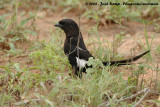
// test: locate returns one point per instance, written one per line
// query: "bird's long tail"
(126, 61)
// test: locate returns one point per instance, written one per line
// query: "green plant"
(38, 75)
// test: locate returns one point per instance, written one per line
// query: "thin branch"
(142, 98)
(157, 75)
(135, 95)
(103, 104)
(78, 37)
(25, 102)
(79, 41)
(62, 102)
(146, 91)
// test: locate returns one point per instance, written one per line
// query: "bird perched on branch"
(76, 51)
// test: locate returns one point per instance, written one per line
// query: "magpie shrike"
(76, 51)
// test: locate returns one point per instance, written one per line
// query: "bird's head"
(69, 26)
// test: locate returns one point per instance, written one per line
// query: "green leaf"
(16, 65)
(23, 22)
(94, 62)
(2, 38)
(31, 32)
(11, 45)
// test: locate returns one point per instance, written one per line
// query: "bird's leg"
(74, 69)
(76, 72)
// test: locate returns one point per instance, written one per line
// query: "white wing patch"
(81, 62)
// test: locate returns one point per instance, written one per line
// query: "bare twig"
(135, 95)
(114, 46)
(74, 50)
(103, 104)
(78, 37)
(78, 42)
(25, 102)
(62, 102)
(156, 82)
(142, 98)
(146, 91)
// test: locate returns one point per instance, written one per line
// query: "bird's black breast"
(69, 45)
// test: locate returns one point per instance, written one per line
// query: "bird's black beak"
(58, 25)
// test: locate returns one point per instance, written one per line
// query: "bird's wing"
(76, 51)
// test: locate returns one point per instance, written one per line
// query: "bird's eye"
(62, 23)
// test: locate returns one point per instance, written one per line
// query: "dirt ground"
(133, 31)
(134, 34)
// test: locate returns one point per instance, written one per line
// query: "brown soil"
(134, 33)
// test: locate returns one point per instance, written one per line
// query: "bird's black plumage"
(76, 51)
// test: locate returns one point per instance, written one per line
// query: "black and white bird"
(76, 51)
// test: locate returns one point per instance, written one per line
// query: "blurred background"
(35, 72)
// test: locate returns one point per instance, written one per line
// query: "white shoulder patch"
(81, 62)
